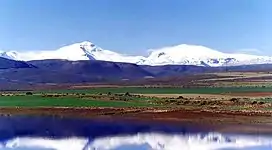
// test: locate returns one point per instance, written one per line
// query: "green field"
(110, 97)
(39, 101)
(164, 90)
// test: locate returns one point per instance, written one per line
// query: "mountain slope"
(51, 72)
(174, 55)
(98, 69)
(54, 72)
(8, 63)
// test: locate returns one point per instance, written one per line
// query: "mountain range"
(14, 74)
(175, 55)
(88, 63)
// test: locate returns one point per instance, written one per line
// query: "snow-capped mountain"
(175, 55)
(78, 51)
(201, 56)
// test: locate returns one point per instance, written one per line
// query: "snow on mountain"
(78, 51)
(71, 52)
(175, 55)
(9, 55)
(94, 52)
(201, 56)
(183, 54)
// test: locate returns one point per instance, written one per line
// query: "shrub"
(49, 95)
(234, 99)
(180, 97)
(127, 94)
(203, 103)
(29, 93)
(172, 101)
(123, 99)
(178, 103)
(186, 102)
(254, 102)
(261, 103)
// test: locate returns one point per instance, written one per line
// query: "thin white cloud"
(251, 51)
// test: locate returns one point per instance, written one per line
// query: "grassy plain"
(244, 98)
(250, 91)
(64, 101)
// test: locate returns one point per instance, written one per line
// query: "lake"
(55, 133)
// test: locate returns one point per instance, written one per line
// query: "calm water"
(49, 133)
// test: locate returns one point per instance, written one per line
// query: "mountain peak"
(89, 46)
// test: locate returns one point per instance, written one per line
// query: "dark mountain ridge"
(54, 71)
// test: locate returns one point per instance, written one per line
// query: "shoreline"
(218, 121)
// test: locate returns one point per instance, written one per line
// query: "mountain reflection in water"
(51, 133)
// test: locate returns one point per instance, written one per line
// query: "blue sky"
(133, 26)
